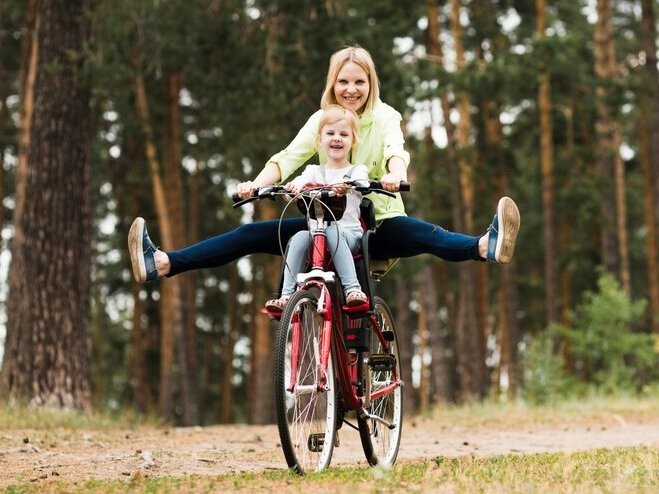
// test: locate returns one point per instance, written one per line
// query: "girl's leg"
(341, 246)
(404, 236)
(296, 258)
(261, 237)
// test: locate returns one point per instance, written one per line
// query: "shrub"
(604, 350)
(603, 346)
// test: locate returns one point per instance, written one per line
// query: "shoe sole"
(136, 250)
(509, 220)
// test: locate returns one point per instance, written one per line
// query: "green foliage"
(602, 343)
(599, 347)
(545, 379)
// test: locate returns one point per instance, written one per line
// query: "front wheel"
(379, 440)
(306, 413)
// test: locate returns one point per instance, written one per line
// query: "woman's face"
(351, 87)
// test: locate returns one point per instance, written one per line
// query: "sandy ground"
(76, 455)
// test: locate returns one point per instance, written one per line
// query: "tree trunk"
(405, 335)
(174, 190)
(606, 129)
(471, 347)
(46, 360)
(262, 362)
(547, 167)
(227, 345)
(649, 136)
(170, 312)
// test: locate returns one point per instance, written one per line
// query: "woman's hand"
(246, 189)
(269, 175)
(390, 182)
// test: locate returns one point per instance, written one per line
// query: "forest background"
(157, 108)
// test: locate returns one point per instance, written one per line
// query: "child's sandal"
(276, 304)
(355, 298)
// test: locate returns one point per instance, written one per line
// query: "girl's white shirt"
(323, 175)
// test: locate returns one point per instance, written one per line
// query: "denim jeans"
(341, 244)
(401, 236)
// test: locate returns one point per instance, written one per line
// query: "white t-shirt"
(323, 175)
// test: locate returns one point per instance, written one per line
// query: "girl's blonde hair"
(333, 113)
(361, 57)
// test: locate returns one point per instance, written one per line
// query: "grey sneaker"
(141, 250)
(502, 233)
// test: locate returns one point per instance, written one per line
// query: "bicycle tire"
(306, 417)
(380, 443)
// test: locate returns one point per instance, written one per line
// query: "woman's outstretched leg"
(263, 237)
(403, 236)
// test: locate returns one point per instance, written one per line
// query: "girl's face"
(351, 87)
(337, 139)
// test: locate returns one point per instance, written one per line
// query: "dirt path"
(76, 455)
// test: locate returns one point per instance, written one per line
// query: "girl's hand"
(340, 189)
(293, 188)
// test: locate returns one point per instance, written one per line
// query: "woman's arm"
(396, 157)
(268, 176)
(397, 174)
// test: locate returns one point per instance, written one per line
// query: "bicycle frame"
(332, 333)
(332, 358)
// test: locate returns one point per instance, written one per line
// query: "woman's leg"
(267, 237)
(404, 236)
(261, 237)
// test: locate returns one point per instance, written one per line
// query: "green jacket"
(380, 138)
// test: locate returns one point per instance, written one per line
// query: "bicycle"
(331, 359)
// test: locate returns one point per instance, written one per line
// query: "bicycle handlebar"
(272, 190)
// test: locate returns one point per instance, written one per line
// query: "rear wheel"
(379, 440)
(306, 415)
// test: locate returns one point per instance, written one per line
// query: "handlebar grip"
(402, 186)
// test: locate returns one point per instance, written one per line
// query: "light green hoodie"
(380, 138)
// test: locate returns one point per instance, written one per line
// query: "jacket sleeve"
(301, 148)
(393, 139)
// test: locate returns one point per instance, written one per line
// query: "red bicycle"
(334, 364)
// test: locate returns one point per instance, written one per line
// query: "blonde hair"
(333, 113)
(361, 57)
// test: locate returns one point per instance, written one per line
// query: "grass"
(624, 470)
(619, 470)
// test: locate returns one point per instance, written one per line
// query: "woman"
(352, 82)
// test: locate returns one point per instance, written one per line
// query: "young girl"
(337, 136)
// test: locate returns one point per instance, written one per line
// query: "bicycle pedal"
(315, 442)
(382, 362)
(388, 335)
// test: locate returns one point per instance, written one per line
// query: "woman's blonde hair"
(361, 57)
(333, 113)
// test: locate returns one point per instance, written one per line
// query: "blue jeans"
(340, 246)
(401, 236)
